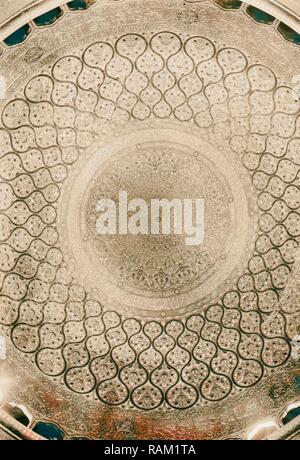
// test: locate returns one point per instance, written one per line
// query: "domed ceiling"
(142, 336)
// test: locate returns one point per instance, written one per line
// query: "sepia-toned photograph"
(150, 222)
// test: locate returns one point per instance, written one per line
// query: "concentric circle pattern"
(157, 276)
(91, 348)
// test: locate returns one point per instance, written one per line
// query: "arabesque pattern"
(173, 363)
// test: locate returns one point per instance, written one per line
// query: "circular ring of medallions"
(92, 348)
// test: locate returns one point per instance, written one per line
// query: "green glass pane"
(18, 36)
(49, 431)
(48, 18)
(259, 15)
(229, 4)
(293, 413)
(78, 5)
(288, 33)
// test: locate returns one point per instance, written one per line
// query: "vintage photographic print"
(150, 222)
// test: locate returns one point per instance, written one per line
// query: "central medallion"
(156, 272)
